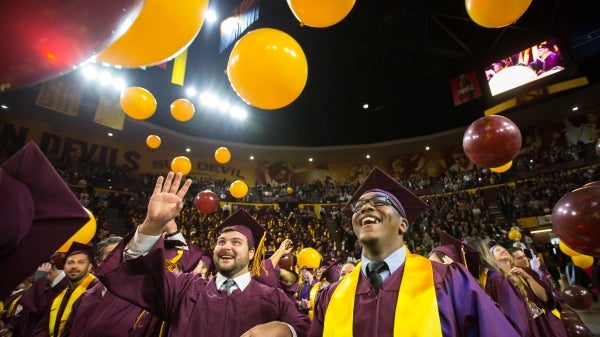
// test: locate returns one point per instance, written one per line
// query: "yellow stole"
(417, 302)
(12, 308)
(58, 300)
(312, 297)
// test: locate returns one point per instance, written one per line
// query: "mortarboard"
(379, 181)
(175, 253)
(459, 252)
(80, 248)
(39, 211)
(241, 221)
(332, 272)
(207, 258)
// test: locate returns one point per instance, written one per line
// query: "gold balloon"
(222, 155)
(567, 250)
(496, 13)
(267, 68)
(289, 190)
(137, 103)
(309, 258)
(84, 235)
(181, 164)
(320, 14)
(583, 261)
(238, 189)
(514, 234)
(182, 109)
(503, 168)
(153, 141)
(162, 30)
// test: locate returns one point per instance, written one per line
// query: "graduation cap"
(39, 214)
(207, 258)
(241, 221)
(332, 272)
(175, 252)
(404, 200)
(459, 252)
(80, 248)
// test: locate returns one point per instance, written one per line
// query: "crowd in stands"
(460, 203)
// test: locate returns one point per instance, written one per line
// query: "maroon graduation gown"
(43, 327)
(270, 277)
(191, 305)
(465, 309)
(35, 301)
(95, 315)
(547, 324)
(510, 300)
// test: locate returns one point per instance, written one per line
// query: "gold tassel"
(259, 255)
(464, 255)
(171, 263)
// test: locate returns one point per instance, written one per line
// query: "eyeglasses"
(376, 201)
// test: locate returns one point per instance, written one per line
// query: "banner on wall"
(407, 168)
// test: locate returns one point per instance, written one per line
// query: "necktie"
(227, 286)
(373, 272)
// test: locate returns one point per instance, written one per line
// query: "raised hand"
(165, 203)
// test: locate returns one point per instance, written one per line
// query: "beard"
(230, 270)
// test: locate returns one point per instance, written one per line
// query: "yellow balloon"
(182, 109)
(309, 258)
(583, 261)
(153, 141)
(289, 190)
(320, 14)
(267, 68)
(514, 234)
(567, 250)
(238, 189)
(222, 155)
(503, 168)
(496, 13)
(84, 235)
(162, 30)
(138, 103)
(181, 164)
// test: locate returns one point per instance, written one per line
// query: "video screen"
(536, 62)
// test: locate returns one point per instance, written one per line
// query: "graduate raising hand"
(165, 203)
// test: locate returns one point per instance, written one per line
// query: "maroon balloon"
(577, 297)
(576, 328)
(207, 201)
(43, 39)
(576, 220)
(286, 261)
(492, 141)
(592, 184)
